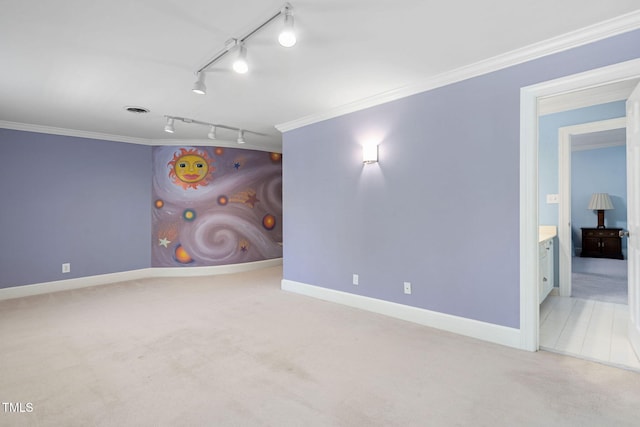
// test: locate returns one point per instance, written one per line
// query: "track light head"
(287, 37)
(241, 137)
(199, 87)
(240, 64)
(212, 133)
(169, 126)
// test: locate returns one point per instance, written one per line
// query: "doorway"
(529, 301)
(587, 315)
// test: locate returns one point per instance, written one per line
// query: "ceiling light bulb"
(240, 137)
(199, 87)
(240, 64)
(169, 126)
(287, 37)
(212, 133)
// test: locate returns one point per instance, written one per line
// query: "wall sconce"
(600, 202)
(369, 153)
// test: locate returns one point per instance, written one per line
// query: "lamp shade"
(600, 201)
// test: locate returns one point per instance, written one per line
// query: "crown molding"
(218, 143)
(131, 140)
(73, 132)
(583, 36)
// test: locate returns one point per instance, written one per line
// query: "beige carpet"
(236, 351)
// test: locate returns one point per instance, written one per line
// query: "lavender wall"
(76, 200)
(440, 209)
(548, 127)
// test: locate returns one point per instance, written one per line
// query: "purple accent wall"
(215, 206)
(77, 200)
(440, 209)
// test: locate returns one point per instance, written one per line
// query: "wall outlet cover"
(407, 287)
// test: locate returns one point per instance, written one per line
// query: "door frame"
(529, 304)
(564, 194)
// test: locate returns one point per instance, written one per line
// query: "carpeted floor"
(600, 279)
(237, 351)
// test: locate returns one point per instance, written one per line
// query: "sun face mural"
(191, 168)
(206, 216)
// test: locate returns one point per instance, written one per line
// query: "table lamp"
(600, 202)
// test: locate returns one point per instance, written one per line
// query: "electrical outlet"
(552, 198)
(407, 287)
(355, 279)
(66, 267)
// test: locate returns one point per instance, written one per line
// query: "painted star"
(236, 165)
(164, 242)
(252, 200)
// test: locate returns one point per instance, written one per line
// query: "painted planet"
(223, 200)
(189, 214)
(159, 203)
(182, 256)
(219, 151)
(269, 221)
(275, 157)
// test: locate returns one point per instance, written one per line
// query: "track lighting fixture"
(286, 38)
(240, 136)
(212, 133)
(213, 128)
(169, 126)
(240, 65)
(199, 87)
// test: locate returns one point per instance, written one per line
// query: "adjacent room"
(343, 213)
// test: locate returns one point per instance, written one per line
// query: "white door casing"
(529, 304)
(564, 192)
(633, 216)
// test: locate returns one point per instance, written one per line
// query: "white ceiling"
(75, 64)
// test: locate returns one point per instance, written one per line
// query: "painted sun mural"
(215, 206)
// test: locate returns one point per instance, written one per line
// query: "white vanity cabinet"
(546, 281)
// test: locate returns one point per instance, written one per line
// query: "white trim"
(634, 337)
(145, 273)
(459, 325)
(619, 91)
(214, 270)
(590, 34)
(529, 304)
(73, 132)
(70, 284)
(139, 141)
(564, 190)
(218, 143)
(529, 269)
(598, 145)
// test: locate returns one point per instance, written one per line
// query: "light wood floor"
(588, 329)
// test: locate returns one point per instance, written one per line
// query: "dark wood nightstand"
(601, 243)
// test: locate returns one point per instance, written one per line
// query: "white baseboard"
(634, 338)
(69, 284)
(471, 328)
(145, 273)
(214, 270)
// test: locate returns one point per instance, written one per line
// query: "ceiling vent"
(137, 110)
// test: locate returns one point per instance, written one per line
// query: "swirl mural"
(215, 206)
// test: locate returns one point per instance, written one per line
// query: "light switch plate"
(552, 198)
